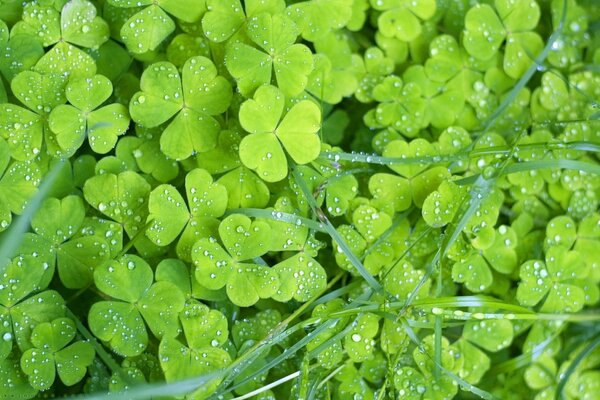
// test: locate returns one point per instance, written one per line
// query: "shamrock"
(334, 352)
(301, 277)
(555, 281)
(120, 197)
(76, 25)
(225, 156)
(400, 106)
(216, 267)
(146, 29)
(120, 322)
(317, 18)
(192, 98)
(53, 244)
(275, 35)
(207, 200)
(72, 123)
(402, 278)
(52, 353)
(514, 21)
(23, 128)
(225, 17)
(296, 132)
(372, 71)
(20, 311)
(401, 18)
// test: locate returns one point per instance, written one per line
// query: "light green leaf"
(119, 324)
(168, 213)
(301, 277)
(484, 32)
(147, 29)
(244, 238)
(248, 283)
(81, 26)
(223, 19)
(492, 335)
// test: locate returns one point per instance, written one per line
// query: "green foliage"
(320, 199)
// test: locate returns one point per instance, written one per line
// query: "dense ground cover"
(322, 199)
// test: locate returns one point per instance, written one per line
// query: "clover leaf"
(120, 197)
(375, 67)
(402, 18)
(76, 25)
(301, 277)
(19, 315)
(147, 28)
(18, 53)
(53, 353)
(334, 352)
(492, 335)
(216, 267)
(402, 278)
(244, 189)
(400, 106)
(358, 342)
(226, 17)
(486, 29)
(553, 281)
(120, 322)
(192, 99)
(317, 18)
(262, 150)
(25, 129)
(179, 362)
(53, 244)
(275, 35)
(206, 199)
(72, 123)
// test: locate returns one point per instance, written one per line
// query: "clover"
(120, 197)
(244, 189)
(53, 243)
(22, 305)
(374, 68)
(25, 128)
(318, 18)
(225, 18)
(487, 28)
(77, 24)
(555, 283)
(169, 214)
(83, 117)
(270, 133)
(192, 98)
(401, 279)
(246, 282)
(414, 181)
(147, 28)
(53, 354)
(400, 106)
(18, 183)
(492, 251)
(18, 52)
(358, 342)
(275, 35)
(402, 18)
(136, 299)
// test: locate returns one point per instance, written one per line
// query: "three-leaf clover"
(53, 354)
(555, 283)
(275, 35)
(55, 225)
(402, 18)
(319, 17)
(149, 27)
(243, 239)
(192, 98)
(72, 123)
(24, 129)
(514, 21)
(226, 17)
(76, 25)
(170, 215)
(262, 150)
(120, 322)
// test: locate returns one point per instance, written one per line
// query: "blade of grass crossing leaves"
(334, 233)
(571, 369)
(12, 238)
